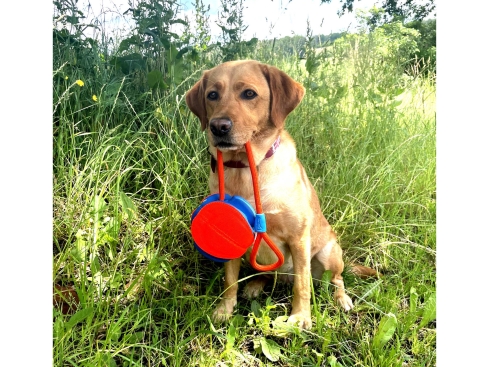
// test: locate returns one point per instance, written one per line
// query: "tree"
(426, 43)
(230, 20)
(399, 9)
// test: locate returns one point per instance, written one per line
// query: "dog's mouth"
(223, 146)
(227, 143)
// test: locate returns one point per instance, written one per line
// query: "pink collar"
(239, 164)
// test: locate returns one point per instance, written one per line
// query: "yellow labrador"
(241, 101)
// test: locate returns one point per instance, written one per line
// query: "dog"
(241, 101)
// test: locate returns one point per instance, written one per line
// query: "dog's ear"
(196, 101)
(285, 94)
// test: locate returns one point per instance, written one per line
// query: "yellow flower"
(80, 83)
(158, 113)
(66, 77)
(94, 97)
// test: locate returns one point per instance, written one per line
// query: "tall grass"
(129, 170)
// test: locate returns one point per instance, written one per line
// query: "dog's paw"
(253, 288)
(223, 311)
(300, 320)
(344, 301)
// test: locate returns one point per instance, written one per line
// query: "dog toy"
(224, 227)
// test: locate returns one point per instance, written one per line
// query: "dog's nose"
(220, 127)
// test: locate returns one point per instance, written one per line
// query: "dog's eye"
(249, 94)
(213, 96)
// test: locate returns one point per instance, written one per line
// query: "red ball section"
(222, 231)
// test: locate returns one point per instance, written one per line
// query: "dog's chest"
(238, 183)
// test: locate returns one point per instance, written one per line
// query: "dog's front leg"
(301, 303)
(225, 308)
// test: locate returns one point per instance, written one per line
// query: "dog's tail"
(364, 272)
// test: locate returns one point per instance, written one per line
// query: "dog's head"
(239, 100)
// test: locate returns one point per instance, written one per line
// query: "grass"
(126, 180)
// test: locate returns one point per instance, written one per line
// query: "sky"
(280, 18)
(266, 19)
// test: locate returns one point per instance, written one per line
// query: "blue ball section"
(256, 222)
(210, 257)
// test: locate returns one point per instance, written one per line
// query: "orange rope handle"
(274, 248)
(220, 175)
(254, 178)
(259, 210)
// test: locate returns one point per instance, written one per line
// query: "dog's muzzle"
(220, 127)
(221, 134)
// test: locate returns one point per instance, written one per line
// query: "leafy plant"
(232, 26)
(385, 331)
(153, 48)
(268, 347)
